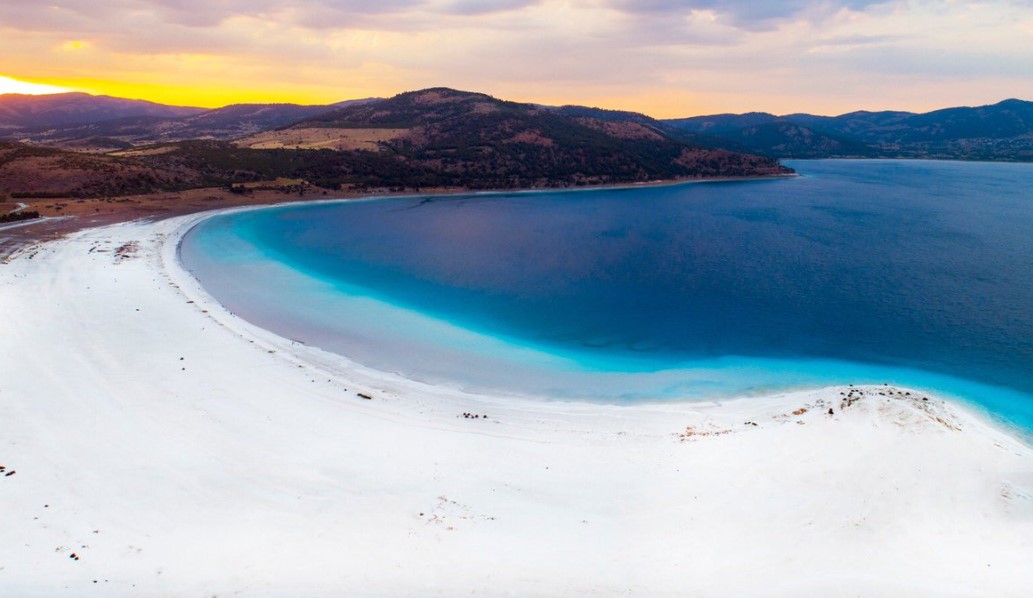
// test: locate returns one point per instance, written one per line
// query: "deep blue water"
(900, 271)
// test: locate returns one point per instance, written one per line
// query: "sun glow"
(666, 59)
(9, 85)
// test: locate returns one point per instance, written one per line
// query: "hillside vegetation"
(1002, 131)
(430, 138)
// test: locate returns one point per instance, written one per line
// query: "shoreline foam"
(178, 451)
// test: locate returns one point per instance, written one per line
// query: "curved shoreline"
(181, 207)
(969, 393)
(181, 450)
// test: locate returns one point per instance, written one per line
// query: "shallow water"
(916, 273)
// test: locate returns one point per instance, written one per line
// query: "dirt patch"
(322, 138)
(126, 251)
(151, 151)
(693, 432)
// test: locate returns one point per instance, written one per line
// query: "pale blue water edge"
(910, 273)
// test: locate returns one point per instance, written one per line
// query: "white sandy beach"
(177, 450)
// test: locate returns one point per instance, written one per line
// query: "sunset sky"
(666, 58)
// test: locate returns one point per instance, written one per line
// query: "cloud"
(322, 14)
(480, 7)
(745, 14)
(708, 55)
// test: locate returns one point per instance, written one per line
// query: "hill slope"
(1002, 131)
(37, 172)
(19, 111)
(475, 140)
(431, 138)
(230, 122)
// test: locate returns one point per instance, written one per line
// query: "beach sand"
(175, 449)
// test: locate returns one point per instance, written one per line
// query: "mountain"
(1004, 120)
(229, 122)
(431, 138)
(789, 139)
(102, 124)
(37, 172)
(722, 123)
(1002, 131)
(239, 119)
(123, 132)
(1010, 118)
(474, 140)
(862, 123)
(19, 111)
(604, 115)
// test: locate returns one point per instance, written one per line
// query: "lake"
(916, 273)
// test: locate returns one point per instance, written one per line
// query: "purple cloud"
(745, 14)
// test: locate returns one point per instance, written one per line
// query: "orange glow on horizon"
(656, 103)
(781, 58)
(663, 105)
(202, 97)
(12, 85)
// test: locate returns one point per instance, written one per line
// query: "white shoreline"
(257, 472)
(31, 221)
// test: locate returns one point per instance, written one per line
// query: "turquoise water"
(912, 273)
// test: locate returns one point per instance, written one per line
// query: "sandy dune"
(177, 450)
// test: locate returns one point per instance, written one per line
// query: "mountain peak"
(441, 95)
(1013, 103)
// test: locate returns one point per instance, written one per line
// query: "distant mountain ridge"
(439, 137)
(81, 122)
(18, 111)
(99, 123)
(76, 145)
(1001, 131)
